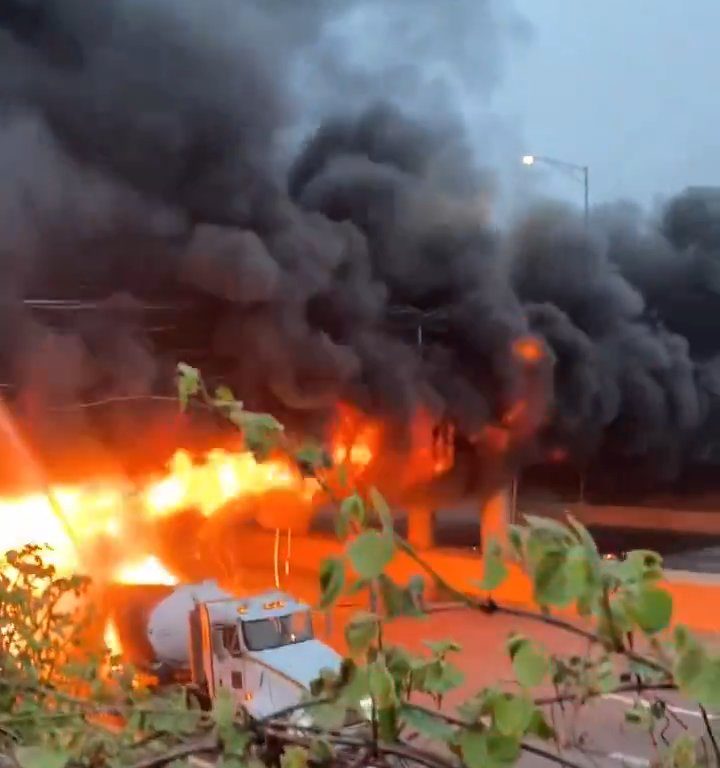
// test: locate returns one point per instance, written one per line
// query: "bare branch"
(710, 733)
(196, 747)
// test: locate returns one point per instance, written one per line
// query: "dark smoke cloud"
(310, 183)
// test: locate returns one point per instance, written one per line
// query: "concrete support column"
(421, 527)
(495, 518)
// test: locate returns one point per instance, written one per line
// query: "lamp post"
(573, 169)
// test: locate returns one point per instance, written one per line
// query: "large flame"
(148, 571)
(69, 519)
(64, 516)
(110, 515)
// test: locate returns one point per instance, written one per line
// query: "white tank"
(168, 628)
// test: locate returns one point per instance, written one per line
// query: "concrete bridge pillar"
(495, 518)
(421, 527)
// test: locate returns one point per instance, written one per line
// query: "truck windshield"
(263, 634)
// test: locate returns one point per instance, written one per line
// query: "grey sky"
(630, 87)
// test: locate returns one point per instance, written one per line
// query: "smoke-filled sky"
(307, 172)
(626, 86)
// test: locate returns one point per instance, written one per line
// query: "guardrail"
(637, 518)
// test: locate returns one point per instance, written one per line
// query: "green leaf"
(640, 565)
(332, 580)
(530, 665)
(387, 718)
(439, 677)
(548, 526)
(352, 510)
(481, 749)
(260, 431)
(683, 753)
(41, 757)
(188, 381)
(606, 678)
(235, 741)
(540, 727)
(441, 648)
(382, 510)
(579, 572)
(690, 666)
(357, 586)
(502, 750)
(707, 689)
(424, 723)
(294, 757)
(321, 752)
(583, 536)
(328, 717)
(312, 457)
(551, 582)
(494, 569)
(370, 553)
(512, 714)
(400, 601)
(473, 746)
(652, 609)
(223, 709)
(639, 716)
(224, 395)
(382, 684)
(361, 631)
(515, 539)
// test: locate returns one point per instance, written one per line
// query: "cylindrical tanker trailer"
(153, 624)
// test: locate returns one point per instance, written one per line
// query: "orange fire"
(147, 571)
(72, 516)
(528, 349)
(112, 639)
(69, 519)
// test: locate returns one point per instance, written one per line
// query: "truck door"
(258, 688)
(222, 660)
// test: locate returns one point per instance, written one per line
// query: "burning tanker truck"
(260, 648)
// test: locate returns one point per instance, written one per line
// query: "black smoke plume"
(150, 171)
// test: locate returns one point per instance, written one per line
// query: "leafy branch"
(615, 601)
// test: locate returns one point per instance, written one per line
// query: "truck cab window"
(262, 634)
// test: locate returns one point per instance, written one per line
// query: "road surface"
(608, 740)
(484, 661)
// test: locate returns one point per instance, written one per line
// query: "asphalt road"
(606, 739)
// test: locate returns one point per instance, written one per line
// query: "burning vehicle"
(261, 648)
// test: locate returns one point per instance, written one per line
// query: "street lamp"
(573, 169)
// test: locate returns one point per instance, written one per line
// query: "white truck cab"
(262, 649)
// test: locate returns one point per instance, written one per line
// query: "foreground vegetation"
(60, 707)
